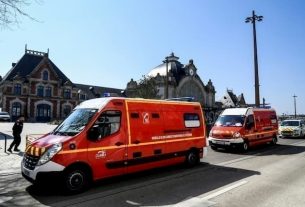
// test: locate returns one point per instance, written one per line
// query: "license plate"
(222, 143)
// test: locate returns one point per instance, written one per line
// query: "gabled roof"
(233, 97)
(28, 63)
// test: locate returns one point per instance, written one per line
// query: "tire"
(192, 158)
(274, 140)
(214, 148)
(76, 180)
(245, 146)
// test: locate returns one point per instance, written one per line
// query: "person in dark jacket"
(17, 129)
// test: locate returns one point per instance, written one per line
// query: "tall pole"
(252, 20)
(166, 79)
(295, 106)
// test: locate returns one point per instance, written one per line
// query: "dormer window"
(45, 75)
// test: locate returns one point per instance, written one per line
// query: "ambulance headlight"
(236, 135)
(49, 153)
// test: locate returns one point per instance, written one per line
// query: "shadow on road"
(164, 186)
(7, 136)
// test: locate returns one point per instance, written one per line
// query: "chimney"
(13, 64)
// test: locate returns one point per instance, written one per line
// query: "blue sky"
(107, 43)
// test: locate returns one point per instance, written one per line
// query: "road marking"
(222, 191)
(238, 159)
(133, 203)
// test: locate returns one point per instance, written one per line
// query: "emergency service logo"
(100, 154)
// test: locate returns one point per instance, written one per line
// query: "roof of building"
(174, 67)
(29, 61)
(97, 91)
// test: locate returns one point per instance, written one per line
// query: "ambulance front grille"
(30, 161)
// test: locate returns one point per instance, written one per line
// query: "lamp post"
(252, 20)
(295, 106)
(166, 78)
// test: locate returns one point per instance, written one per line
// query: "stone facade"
(183, 81)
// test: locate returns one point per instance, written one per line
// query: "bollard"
(4, 143)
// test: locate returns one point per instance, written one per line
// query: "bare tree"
(11, 10)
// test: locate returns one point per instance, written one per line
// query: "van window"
(108, 123)
(134, 115)
(155, 115)
(191, 120)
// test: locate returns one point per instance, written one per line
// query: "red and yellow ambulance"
(112, 136)
(243, 128)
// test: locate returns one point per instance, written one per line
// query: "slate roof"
(98, 90)
(27, 64)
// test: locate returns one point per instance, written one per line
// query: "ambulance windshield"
(230, 120)
(75, 122)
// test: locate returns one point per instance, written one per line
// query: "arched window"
(40, 91)
(45, 75)
(43, 113)
(17, 89)
(16, 110)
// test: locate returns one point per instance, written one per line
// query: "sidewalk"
(10, 162)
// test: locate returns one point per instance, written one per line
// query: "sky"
(109, 42)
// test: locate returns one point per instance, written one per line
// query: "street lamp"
(252, 20)
(166, 78)
(295, 106)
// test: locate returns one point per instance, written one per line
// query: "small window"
(82, 96)
(67, 93)
(134, 115)
(109, 123)
(40, 91)
(48, 91)
(191, 120)
(17, 89)
(155, 115)
(45, 75)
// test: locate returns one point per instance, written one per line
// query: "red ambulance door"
(107, 152)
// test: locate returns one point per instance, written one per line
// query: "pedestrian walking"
(17, 129)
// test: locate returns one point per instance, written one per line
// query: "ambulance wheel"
(76, 180)
(245, 146)
(192, 158)
(274, 140)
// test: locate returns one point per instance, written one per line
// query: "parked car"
(5, 116)
(292, 128)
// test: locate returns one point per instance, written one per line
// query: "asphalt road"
(264, 176)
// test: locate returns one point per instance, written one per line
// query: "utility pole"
(252, 20)
(295, 106)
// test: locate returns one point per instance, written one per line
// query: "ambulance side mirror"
(93, 133)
